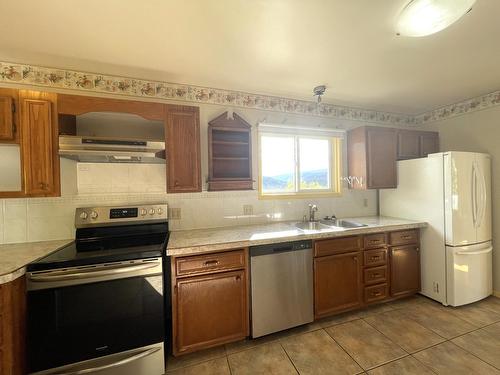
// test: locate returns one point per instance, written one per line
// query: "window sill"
(301, 195)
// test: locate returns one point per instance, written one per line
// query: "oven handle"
(71, 275)
(114, 364)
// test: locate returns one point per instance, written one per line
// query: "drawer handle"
(375, 257)
(213, 262)
(374, 275)
(372, 242)
(376, 294)
(238, 277)
(407, 237)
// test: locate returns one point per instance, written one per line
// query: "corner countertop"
(188, 242)
(14, 257)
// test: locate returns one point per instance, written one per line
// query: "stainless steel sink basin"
(311, 225)
(342, 223)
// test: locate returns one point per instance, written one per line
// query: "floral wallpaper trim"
(70, 79)
(471, 105)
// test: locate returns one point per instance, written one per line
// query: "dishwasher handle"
(277, 248)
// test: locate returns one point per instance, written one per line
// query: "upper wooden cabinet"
(40, 143)
(372, 155)
(229, 153)
(7, 124)
(416, 144)
(183, 149)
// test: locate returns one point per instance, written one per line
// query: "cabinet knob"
(176, 183)
(355, 258)
(238, 277)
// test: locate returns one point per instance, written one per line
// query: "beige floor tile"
(407, 365)
(475, 314)
(217, 366)
(317, 353)
(438, 319)
(491, 303)
(447, 358)
(407, 302)
(239, 346)
(365, 344)
(263, 359)
(404, 331)
(353, 315)
(483, 344)
(186, 360)
(494, 329)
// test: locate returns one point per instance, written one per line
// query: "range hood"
(111, 150)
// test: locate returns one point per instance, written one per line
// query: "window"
(298, 165)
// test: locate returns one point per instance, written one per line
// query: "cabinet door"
(429, 143)
(40, 147)
(381, 158)
(183, 149)
(337, 283)
(405, 270)
(7, 129)
(408, 144)
(210, 310)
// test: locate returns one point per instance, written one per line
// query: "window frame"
(335, 170)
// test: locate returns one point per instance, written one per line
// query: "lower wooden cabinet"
(13, 327)
(338, 284)
(209, 309)
(405, 270)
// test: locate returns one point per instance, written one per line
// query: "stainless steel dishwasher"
(282, 286)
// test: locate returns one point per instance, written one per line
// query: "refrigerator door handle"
(474, 195)
(489, 249)
(482, 207)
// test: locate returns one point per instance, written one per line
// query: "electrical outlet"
(247, 209)
(175, 213)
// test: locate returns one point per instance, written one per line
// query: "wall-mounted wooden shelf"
(230, 153)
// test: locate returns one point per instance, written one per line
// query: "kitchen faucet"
(312, 210)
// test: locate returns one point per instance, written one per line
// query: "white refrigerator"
(451, 191)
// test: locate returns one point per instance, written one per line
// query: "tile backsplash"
(87, 184)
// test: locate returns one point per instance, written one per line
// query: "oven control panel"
(95, 216)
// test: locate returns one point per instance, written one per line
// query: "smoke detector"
(319, 91)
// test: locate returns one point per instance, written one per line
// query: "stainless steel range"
(98, 304)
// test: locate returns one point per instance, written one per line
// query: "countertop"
(186, 242)
(14, 257)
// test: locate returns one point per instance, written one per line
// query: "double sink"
(328, 224)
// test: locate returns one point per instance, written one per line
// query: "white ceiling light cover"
(426, 17)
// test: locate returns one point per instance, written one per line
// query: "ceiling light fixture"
(426, 17)
(319, 91)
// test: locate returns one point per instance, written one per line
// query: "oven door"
(81, 313)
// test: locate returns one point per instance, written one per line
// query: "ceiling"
(276, 47)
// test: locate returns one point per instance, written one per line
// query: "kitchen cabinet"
(7, 115)
(229, 153)
(372, 153)
(183, 149)
(13, 327)
(38, 112)
(210, 300)
(338, 284)
(416, 144)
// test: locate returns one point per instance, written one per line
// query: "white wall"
(478, 132)
(37, 219)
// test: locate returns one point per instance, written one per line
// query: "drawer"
(375, 275)
(404, 237)
(372, 241)
(201, 264)
(337, 246)
(376, 257)
(376, 293)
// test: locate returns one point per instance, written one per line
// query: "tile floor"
(411, 336)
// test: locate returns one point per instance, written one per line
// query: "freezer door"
(482, 189)
(460, 209)
(469, 273)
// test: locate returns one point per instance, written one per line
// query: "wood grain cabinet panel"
(210, 310)
(372, 241)
(7, 125)
(429, 143)
(372, 154)
(40, 143)
(13, 327)
(338, 284)
(404, 237)
(408, 144)
(375, 275)
(183, 149)
(375, 257)
(201, 264)
(405, 270)
(337, 246)
(376, 293)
